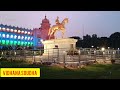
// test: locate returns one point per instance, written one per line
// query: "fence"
(62, 55)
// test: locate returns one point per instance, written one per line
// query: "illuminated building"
(41, 34)
(15, 36)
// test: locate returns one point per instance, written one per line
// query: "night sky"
(102, 23)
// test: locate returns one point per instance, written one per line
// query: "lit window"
(7, 35)
(7, 29)
(3, 29)
(28, 38)
(18, 37)
(11, 36)
(15, 36)
(25, 32)
(11, 30)
(18, 31)
(31, 38)
(25, 38)
(3, 35)
(28, 32)
(22, 37)
(22, 31)
(15, 30)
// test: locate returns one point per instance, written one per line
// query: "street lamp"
(103, 49)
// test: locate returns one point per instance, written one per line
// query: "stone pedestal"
(57, 47)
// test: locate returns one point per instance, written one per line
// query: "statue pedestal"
(57, 47)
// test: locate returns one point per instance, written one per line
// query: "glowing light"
(7, 42)
(15, 42)
(7, 35)
(15, 36)
(11, 36)
(11, 42)
(28, 38)
(18, 31)
(11, 30)
(3, 28)
(92, 46)
(31, 38)
(22, 31)
(18, 37)
(7, 29)
(25, 32)
(0, 28)
(3, 35)
(28, 32)
(22, 43)
(22, 37)
(15, 30)
(103, 49)
(3, 42)
(18, 42)
(118, 48)
(25, 38)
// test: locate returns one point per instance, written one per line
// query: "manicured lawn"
(96, 71)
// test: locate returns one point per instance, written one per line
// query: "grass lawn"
(96, 71)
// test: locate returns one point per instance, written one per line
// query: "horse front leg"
(63, 32)
(50, 34)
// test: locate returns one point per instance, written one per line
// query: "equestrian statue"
(58, 27)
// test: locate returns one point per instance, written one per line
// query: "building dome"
(45, 20)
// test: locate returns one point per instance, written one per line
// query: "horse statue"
(57, 27)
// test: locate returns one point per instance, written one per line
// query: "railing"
(61, 55)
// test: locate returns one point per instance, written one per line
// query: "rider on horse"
(57, 21)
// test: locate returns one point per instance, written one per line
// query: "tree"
(115, 40)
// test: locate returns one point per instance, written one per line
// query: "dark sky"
(102, 23)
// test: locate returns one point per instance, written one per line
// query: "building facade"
(14, 36)
(40, 34)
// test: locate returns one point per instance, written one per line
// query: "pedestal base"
(58, 47)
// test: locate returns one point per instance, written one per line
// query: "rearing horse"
(60, 26)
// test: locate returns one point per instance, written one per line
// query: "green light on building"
(25, 43)
(22, 43)
(11, 42)
(3, 42)
(18, 42)
(15, 42)
(7, 42)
